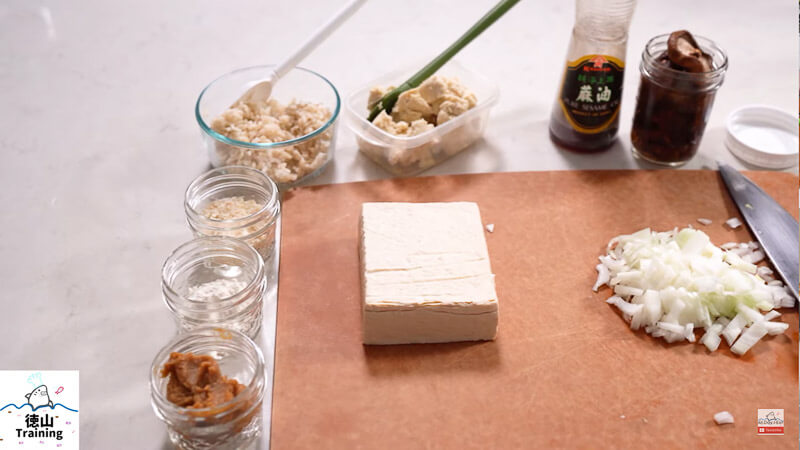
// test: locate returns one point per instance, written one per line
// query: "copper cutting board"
(565, 370)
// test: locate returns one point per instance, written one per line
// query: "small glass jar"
(672, 107)
(215, 281)
(212, 199)
(232, 425)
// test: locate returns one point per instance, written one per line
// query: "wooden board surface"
(565, 370)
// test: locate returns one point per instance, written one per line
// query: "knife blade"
(775, 229)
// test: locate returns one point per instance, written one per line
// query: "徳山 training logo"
(770, 421)
(39, 408)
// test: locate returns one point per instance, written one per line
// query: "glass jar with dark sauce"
(680, 75)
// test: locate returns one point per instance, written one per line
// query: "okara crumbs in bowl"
(271, 122)
(437, 100)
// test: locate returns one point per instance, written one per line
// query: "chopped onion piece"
(692, 241)
(659, 333)
(766, 274)
(638, 319)
(602, 276)
(781, 297)
(627, 290)
(753, 334)
(688, 332)
(754, 257)
(775, 328)
(628, 309)
(723, 417)
(704, 221)
(724, 321)
(675, 311)
(734, 328)
(630, 277)
(652, 306)
(750, 314)
(729, 245)
(741, 250)
(772, 315)
(490, 227)
(737, 262)
(711, 341)
(733, 222)
(764, 270)
(671, 327)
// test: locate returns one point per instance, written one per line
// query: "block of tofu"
(425, 274)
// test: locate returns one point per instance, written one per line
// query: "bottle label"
(591, 92)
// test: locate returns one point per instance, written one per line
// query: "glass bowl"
(309, 154)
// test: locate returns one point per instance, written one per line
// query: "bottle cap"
(764, 136)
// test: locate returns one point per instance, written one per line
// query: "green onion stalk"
(387, 101)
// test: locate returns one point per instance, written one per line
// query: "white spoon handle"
(321, 34)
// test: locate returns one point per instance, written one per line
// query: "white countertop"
(99, 140)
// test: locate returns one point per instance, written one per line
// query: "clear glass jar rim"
(264, 145)
(705, 44)
(255, 386)
(271, 206)
(170, 294)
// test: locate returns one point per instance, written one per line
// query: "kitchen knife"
(775, 229)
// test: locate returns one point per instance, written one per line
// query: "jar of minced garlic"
(235, 201)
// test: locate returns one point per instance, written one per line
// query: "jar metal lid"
(764, 136)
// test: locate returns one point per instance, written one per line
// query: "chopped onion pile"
(674, 282)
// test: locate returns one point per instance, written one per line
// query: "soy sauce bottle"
(585, 116)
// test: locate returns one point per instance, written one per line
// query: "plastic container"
(257, 229)
(406, 156)
(232, 425)
(299, 84)
(763, 136)
(215, 281)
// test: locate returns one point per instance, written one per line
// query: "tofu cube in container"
(425, 274)
(410, 155)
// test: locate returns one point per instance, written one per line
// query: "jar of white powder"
(215, 281)
(235, 201)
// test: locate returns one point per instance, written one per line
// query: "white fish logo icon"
(39, 397)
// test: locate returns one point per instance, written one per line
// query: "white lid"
(763, 136)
